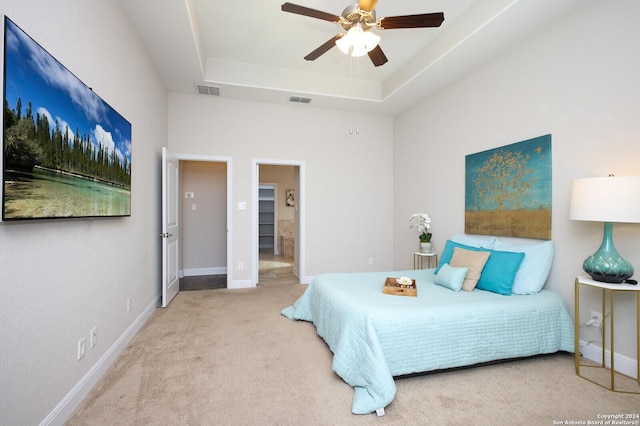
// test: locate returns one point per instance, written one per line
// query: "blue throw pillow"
(499, 272)
(451, 277)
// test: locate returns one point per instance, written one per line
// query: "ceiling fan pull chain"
(357, 114)
(351, 78)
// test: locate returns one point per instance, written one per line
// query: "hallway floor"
(273, 266)
(270, 267)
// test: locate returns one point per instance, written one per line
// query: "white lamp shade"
(343, 44)
(357, 42)
(371, 40)
(606, 199)
(358, 49)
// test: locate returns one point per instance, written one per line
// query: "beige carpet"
(227, 357)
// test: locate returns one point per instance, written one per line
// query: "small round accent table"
(418, 260)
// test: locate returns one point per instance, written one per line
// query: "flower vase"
(425, 247)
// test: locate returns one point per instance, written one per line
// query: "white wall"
(349, 191)
(576, 79)
(61, 278)
(204, 230)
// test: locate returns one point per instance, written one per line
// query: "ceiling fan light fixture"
(358, 50)
(371, 40)
(357, 19)
(357, 42)
(343, 44)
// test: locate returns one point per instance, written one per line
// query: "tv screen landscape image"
(66, 152)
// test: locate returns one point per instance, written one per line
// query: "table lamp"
(607, 199)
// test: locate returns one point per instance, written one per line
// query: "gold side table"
(608, 291)
(418, 258)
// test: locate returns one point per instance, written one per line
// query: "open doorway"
(173, 194)
(276, 224)
(279, 217)
(204, 216)
(204, 225)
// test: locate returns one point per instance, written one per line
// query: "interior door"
(170, 229)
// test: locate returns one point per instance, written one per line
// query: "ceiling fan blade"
(322, 49)
(367, 5)
(377, 56)
(313, 13)
(412, 21)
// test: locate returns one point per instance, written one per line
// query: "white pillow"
(535, 267)
(451, 277)
(474, 241)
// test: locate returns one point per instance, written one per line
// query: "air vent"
(208, 90)
(299, 99)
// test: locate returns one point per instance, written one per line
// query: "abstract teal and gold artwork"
(508, 190)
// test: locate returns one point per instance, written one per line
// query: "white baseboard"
(303, 280)
(72, 400)
(194, 272)
(306, 279)
(624, 364)
(235, 284)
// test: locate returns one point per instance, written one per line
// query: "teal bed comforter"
(376, 336)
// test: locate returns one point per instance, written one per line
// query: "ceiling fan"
(357, 19)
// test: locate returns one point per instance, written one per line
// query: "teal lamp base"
(606, 265)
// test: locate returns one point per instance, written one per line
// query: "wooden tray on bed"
(391, 286)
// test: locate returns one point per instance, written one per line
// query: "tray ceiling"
(251, 50)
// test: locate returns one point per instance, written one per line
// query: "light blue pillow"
(474, 241)
(500, 271)
(451, 277)
(535, 267)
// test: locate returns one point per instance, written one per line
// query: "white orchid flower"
(422, 223)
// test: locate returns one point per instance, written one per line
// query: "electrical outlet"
(596, 319)
(81, 347)
(93, 337)
(240, 266)
(129, 304)
(371, 261)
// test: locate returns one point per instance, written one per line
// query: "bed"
(375, 336)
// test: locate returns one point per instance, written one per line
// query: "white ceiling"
(252, 50)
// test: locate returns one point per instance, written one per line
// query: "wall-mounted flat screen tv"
(66, 152)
